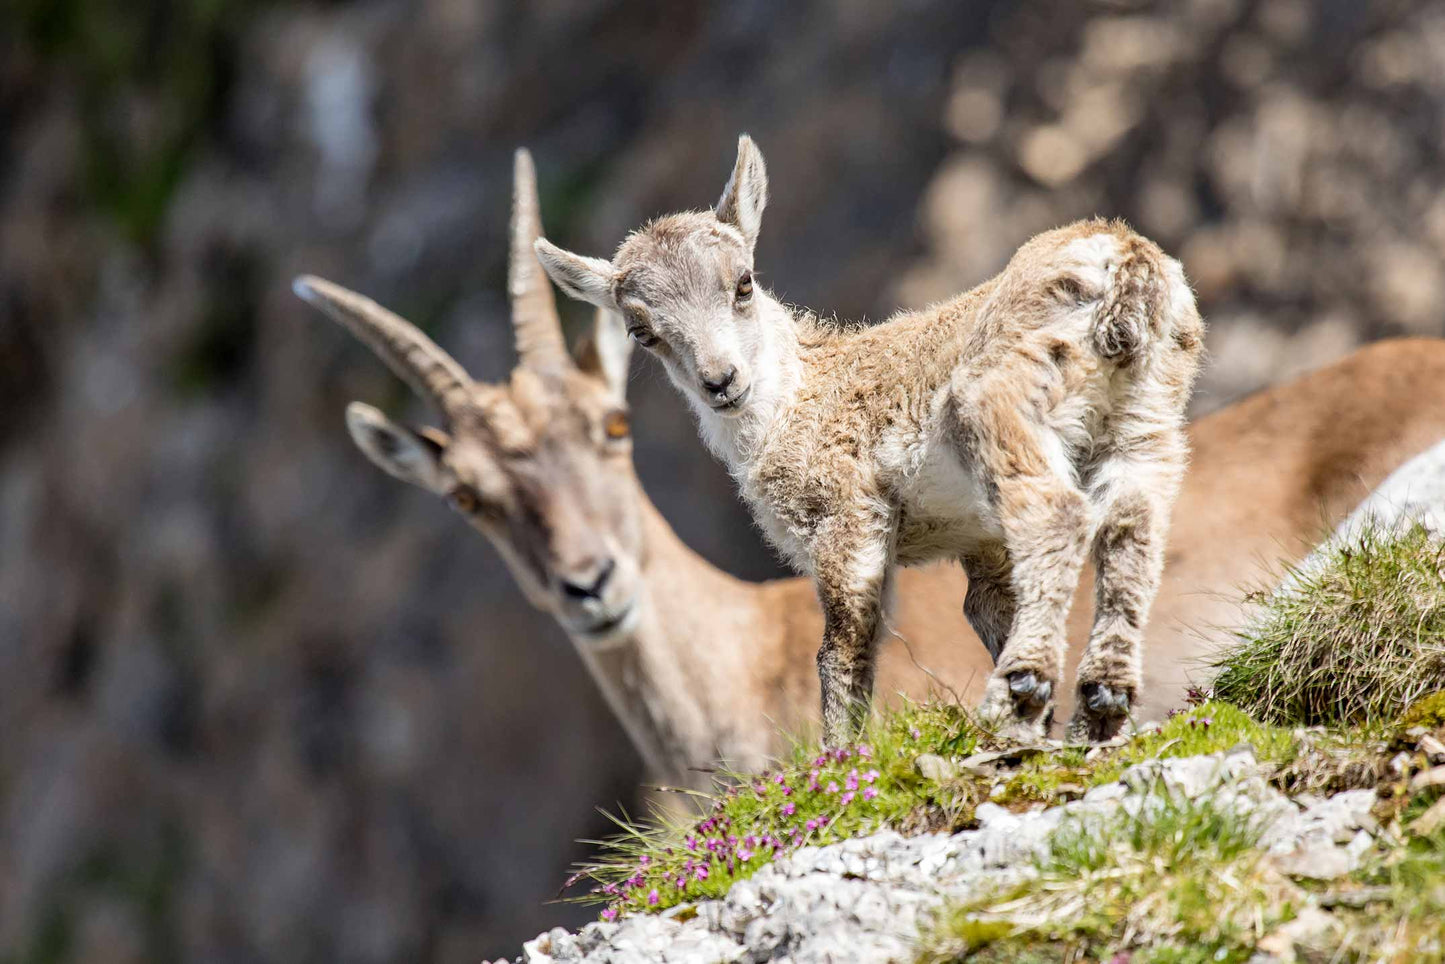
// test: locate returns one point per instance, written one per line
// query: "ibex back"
(1013, 428)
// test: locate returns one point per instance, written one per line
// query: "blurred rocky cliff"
(260, 702)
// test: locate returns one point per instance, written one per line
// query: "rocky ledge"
(869, 898)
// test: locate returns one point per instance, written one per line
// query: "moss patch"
(1427, 713)
(1211, 727)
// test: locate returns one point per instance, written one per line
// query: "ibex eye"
(745, 286)
(616, 426)
(464, 499)
(642, 336)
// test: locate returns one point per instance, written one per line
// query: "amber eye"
(745, 286)
(464, 499)
(615, 425)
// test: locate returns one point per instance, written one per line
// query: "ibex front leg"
(1133, 498)
(1046, 526)
(853, 577)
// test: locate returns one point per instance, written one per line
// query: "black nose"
(582, 590)
(721, 385)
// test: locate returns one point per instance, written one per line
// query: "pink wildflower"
(780, 781)
(840, 754)
(610, 913)
(852, 783)
(744, 854)
(653, 897)
(846, 798)
(870, 793)
(915, 733)
(644, 860)
(865, 751)
(787, 791)
(700, 873)
(870, 776)
(811, 825)
(789, 809)
(832, 786)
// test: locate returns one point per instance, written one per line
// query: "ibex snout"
(596, 593)
(723, 386)
(589, 580)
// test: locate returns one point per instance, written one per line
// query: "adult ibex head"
(541, 465)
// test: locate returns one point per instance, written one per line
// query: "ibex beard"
(1017, 428)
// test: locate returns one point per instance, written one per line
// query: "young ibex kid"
(1013, 428)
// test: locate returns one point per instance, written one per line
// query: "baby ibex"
(542, 466)
(1012, 428)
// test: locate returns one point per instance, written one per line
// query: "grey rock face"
(864, 900)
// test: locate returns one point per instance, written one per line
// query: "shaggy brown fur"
(1021, 422)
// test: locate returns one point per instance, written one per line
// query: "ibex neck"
(681, 682)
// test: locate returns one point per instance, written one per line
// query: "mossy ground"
(818, 797)
(1182, 883)
(1182, 880)
(814, 797)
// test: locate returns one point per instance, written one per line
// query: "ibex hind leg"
(1128, 557)
(989, 604)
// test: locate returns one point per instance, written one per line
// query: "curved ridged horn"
(535, 321)
(431, 372)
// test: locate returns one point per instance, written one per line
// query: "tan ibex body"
(1270, 475)
(1018, 428)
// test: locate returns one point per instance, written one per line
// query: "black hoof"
(1102, 700)
(1028, 691)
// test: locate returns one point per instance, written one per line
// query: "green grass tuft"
(1181, 880)
(1357, 640)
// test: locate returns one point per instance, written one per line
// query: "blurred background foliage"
(261, 703)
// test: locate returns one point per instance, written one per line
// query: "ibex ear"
(746, 193)
(605, 352)
(414, 457)
(586, 279)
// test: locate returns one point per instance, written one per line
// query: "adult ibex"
(1012, 428)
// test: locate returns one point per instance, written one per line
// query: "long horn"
(431, 372)
(535, 320)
